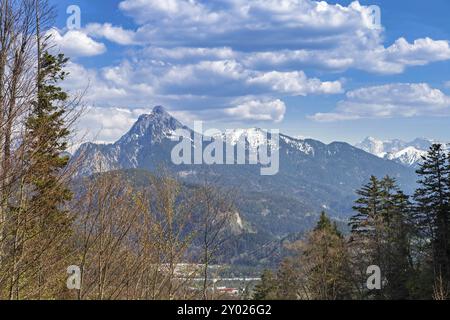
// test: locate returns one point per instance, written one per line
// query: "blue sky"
(308, 68)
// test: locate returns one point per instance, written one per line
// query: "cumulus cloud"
(391, 60)
(221, 81)
(91, 84)
(295, 83)
(230, 78)
(75, 43)
(242, 58)
(186, 55)
(421, 52)
(266, 23)
(258, 110)
(387, 101)
(287, 34)
(106, 125)
(112, 33)
(183, 11)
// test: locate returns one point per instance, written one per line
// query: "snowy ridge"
(409, 156)
(254, 136)
(298, 144)
(406, 153)
(374, 146)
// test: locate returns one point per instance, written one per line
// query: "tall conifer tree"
(432, 214)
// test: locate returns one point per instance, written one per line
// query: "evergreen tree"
(322, 265)
(381, 230)
(325, 262)
(366, 224)
(432, 214)
(46, 139)
(47, 131)
(396, 239)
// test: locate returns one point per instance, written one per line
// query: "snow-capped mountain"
(409, 156)
(381, 148)
(154, 128)
(253, 137)
(142, 144)
(315, 174)
(406, 153)
(256, 137)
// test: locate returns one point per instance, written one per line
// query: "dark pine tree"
(397, 236)
(46, 138)
(366, 224)
(381, 230)
(432, 214)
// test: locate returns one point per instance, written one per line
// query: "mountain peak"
(153, 127)
(159, 110)
(406, 153)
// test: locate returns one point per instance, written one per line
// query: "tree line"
(407, 237)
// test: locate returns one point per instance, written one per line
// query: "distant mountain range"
(406, 153)
(313, 176)
(326, 175)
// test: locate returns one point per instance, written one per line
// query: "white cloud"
(212, 84)
(387, 101)
(174, 10)
(416, 94)
(230, 78)
(421, 52)
(106, 125)
(186, 55)
(447, 84)
(392, 60)
(258, 110)
(241, 56)
(253, 26)
(287, 34)
(75, 43)
(91, 84)
(333, 117)
(291, 59)
(112, 33)
(296, 83)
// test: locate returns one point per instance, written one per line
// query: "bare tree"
(214, 211)
(107, 215)
(132, 243)
(172, 233)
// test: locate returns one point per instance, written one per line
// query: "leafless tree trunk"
(215, 209)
